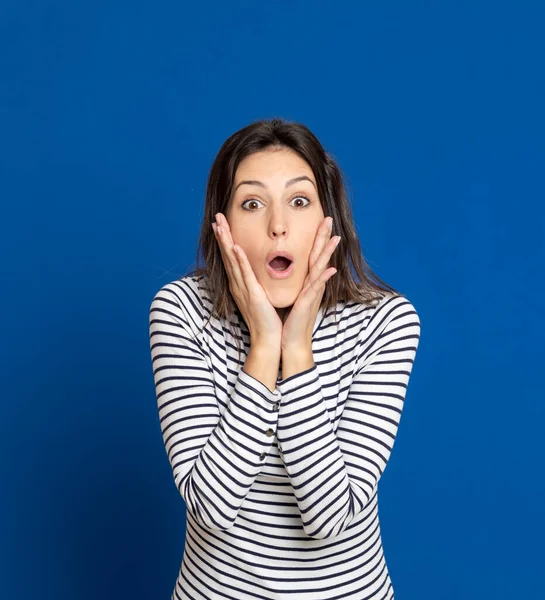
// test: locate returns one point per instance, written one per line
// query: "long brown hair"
(365, 287)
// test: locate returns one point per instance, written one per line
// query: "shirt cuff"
(256, 389)
(303, 381)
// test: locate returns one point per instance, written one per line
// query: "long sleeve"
(215, 457)
(334, 474)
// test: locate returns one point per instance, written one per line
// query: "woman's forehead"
(286, 165)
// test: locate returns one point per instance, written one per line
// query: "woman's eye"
(301, 198)
(253, 200)
(248, 202)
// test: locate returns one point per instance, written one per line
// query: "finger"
(239, 265)
(245, 267)
(223, 223)
(322, 237)
(323, 261)
(229, 243)
(229, 258)
(316, 285)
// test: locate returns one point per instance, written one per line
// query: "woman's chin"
(281, 298)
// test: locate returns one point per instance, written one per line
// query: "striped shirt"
(280, 487)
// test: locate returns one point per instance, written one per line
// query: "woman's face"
(273, 213)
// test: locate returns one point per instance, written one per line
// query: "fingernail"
(330, 222)
(337, 242)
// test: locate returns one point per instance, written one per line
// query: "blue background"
(111, 114)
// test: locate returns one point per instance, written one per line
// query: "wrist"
(265, 349)
(296, 360)
(297, 349)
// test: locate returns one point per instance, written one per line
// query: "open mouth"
(280, 267)
(280, 263)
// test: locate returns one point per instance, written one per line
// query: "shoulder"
(185, 298)
(385, 308)
(393, 307)
(391, 319)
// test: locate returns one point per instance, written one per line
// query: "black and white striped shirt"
(281, 487)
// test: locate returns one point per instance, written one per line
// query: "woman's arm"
(335, 474)
(214, 458)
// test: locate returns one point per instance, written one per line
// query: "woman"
(280, 383)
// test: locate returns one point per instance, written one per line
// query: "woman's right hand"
(259, 314)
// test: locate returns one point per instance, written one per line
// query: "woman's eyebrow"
(261, 184)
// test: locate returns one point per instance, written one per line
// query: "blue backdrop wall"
(110, 116)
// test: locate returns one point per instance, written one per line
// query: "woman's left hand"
(297, 329)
